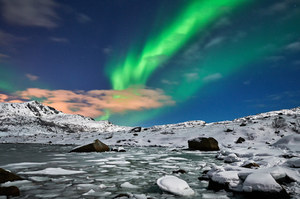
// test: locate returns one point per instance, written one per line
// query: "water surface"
(103, 175)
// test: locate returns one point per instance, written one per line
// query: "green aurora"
(138, 67)
(232, 55)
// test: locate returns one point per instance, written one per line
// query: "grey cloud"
(39, 13)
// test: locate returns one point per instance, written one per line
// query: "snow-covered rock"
(291, 142)
(174, 185)
(294, 162)
(261, 182)
(231, 158)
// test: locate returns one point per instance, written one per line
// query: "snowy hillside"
(30, 120)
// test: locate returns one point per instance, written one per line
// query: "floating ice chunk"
(118, 162)
(175, 186)
(262, 182)
(108, 166)
(129, 185)
(53, 171)
(24, 165)
(90, 192)
(50, 195)
(140, 196)
(214, 196)
(175, 158)
(16, 183)
(39, 179)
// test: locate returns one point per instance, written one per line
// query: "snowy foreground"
(271, 146)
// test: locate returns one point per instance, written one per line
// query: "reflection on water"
(51, 172)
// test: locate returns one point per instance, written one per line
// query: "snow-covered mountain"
(33, 119)
(32, 122)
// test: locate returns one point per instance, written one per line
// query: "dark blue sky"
(244, 60)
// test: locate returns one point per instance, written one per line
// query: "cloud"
(168, 82)
(30, 13)
(59, 39)
(295, 46)
(277, 7)
(94, 103)
(31, 77)
(4, 56)
(8, 40)
(214, 42)
(213, 77)
(82, 18)
(191, 76)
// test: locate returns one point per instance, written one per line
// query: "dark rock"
(96, 146)
(203, 177)
(203, 144)
(240, 140)
(228, 130)
(9, 191)
(243, 124)
(266, 195)
(179, 171)
(135, 134)
(136, 129)
(288, 156)
(122, 195)
(6, 176)
(250, 165)
(216, 186)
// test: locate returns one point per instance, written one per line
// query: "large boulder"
(240, 140)
(9, 191)
(96, 146)
(6, 176)
(203, 144)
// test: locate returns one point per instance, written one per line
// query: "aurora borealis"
(152, 62)
(137, 67)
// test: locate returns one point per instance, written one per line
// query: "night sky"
(136, 62)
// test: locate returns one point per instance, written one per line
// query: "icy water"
(107, 174)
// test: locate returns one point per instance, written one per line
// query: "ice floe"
(52, 171)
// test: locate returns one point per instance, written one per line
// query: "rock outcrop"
(6, 176)
(9, 191)
(96, 146)
(203, 144)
